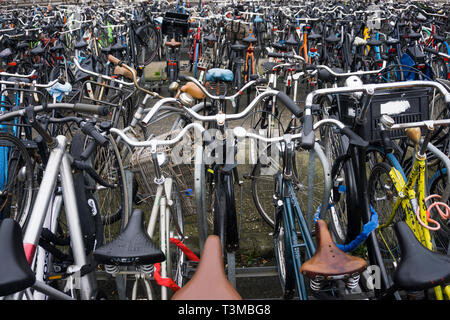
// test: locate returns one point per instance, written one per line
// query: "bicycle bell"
(174, 86)
(387, 121)
(162, 158)
(354, 82)
(186, 99)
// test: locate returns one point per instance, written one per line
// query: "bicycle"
(23, 278)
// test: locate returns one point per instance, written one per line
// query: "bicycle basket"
(217, 88)
(237, 29)
(180, 167)
(177, 23)
(404, 106)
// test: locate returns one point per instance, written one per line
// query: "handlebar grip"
(261, 81)
(386, 141)
(279, 55)
(354, 138)
(90, 148)
(275, 55)
(113, 59)
(90, 108)
(431, 50)
(90, 130)
(290, 104)
(308, 137)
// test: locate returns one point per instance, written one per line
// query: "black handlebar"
(290, 104)
(89, 129)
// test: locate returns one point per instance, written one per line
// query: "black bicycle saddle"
(419, 268)
(15, 272)
(132, 246)
(238, 46)
(80, 44)
(5, 53)
(291, 41)
(211, 37)
(250, 39)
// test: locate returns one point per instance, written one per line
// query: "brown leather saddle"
(329, 261)
(209, 281)
(173, 44)
(193, 90)
(121, 71)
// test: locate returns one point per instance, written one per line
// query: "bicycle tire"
(18, 170)
(383, 195)
(176, 266)
(147, 44)
(437, 185)
(283, 256)
(113, 202)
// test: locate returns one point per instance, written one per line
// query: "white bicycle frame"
(58, 164)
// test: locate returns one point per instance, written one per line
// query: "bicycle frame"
(293, 216)
(59, 163)
(161, 204)
(407, 199)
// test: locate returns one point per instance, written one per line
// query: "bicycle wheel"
(283, 253)
(438, 183)
(147, 44)
(344, 226)
(16, 179)
(176, 262)
(113, 197)
(383, 196)
(309, 193)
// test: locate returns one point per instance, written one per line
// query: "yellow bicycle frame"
(366, 36)
(406, 196)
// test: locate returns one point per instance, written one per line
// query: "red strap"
(189, 254)
(168, 282)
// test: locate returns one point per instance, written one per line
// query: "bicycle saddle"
(121, 71)
(132, 246)
(419, 268)
(18, 79)
(291, 41)
(106, 50)
(211, 37)
(268, 65)
(250, 39)
(5, 53)
(216, 74)
(329, 260)
(314, 36)
(193, 90)
(238, 47)
(57, 46)
(173, 44)
(37, 50)
(332, 38)
(80, 44)
(279, 46)
(22, 45)
(209, 281)
(374, 42)
(15, 272)
(392, 41)
(118, 46)
(326, 76)
(414, 36)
